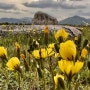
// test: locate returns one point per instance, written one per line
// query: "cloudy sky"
(58, 8)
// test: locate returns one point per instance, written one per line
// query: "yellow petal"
(69, 65)
(46, 29)
(13, 63)
(3, 52)
(56, 78)
(51, 45)
(17, 45)
(61, 64)
(77, 66)
(61, 33)
(50, 51)
(65, 66)
(57, 55)
(43, 53)
(35, 53)
(84, 53)
(68, 50)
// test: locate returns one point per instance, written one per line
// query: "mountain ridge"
(25, 20)
(75, 20)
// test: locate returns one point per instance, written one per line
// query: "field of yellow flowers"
(45, 60)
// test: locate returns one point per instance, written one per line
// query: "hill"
(75, 20)
(25, 20)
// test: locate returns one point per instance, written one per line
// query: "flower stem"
(19, 81)
(44, 82)
(52, 73)
(69, 85)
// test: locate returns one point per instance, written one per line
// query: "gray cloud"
(6, 6)
(73, 5)
(83, 13)
(12, 8)
(10, 11)
(86, 13)
(76, 0)
(41, 4)
(64, 4)
(60, 9)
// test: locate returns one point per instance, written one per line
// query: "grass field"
(86, 31)
(39, 54)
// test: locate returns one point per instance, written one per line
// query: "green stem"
(19, 81)
(44, 82)
(29, 60)
(42, 68)
(69, 85)
(18, 53)
(52, 73)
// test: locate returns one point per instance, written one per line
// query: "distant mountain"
(89, 21)
(75, 20)
(25, 20)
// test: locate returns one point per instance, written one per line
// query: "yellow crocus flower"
(68, 50)
(84, 53)
(13, 64)
(70, 68)
(17, 45)
(42, 53)
(61, 33)
(35, 53)
(3, 52)
(46, 29)
(39, 53)
(22, 56)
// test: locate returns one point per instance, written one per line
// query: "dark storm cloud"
(53, 4)
(6, 6)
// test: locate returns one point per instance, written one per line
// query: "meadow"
(44, 60)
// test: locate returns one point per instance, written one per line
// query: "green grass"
(86, 32)
(42, 79)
